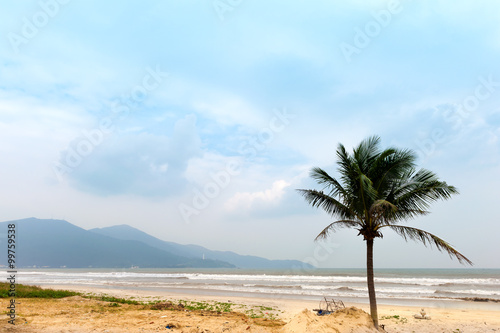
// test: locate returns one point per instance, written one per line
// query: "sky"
(196, 121)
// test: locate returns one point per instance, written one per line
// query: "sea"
(469, 288)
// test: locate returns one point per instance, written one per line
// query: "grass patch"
(254, 312)
(397, 318)
(25, 291)
(114, 300)
(207, 306)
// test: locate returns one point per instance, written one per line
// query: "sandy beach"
(77, 314)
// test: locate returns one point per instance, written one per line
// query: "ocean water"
(393, 286)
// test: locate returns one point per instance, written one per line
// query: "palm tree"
(377, 190)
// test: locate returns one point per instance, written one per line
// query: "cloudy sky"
(195, 121)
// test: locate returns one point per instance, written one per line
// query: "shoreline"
(56, 317)
(190, 293)
(425, 287)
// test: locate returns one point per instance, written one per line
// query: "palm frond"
(323, 178)
(414, 193)
(424, 181)
(397, 216)
(366, 152)
(329, 204)
(380, 209)
(391, 164)
(426, 238)
(337, 225)
(367, 189)
(345, 164)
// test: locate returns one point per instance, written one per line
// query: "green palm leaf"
(337, 225)
(428, 239)
(330, 205)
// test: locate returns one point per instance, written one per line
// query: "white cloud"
(228, 110)
(245, 200)
(140, 164)
(210, 101)
(23, 109)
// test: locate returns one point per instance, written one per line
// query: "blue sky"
(195, 121)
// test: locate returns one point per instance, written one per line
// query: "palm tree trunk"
(371, 282)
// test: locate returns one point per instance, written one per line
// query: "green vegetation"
(398, 319)
(390, 317)
(377, 190)
(262, 312)
(111, 299)
(25, 291)
(207, 306)
(214, 306)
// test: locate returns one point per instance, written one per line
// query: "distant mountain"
(58, 243)
(125, 232)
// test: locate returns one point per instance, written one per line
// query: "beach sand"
(77, 314)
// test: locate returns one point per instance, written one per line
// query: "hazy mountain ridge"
(126, 232)
(58, 243)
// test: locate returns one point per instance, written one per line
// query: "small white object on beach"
(422, 315)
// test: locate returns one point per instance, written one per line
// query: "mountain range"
(58, 243)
